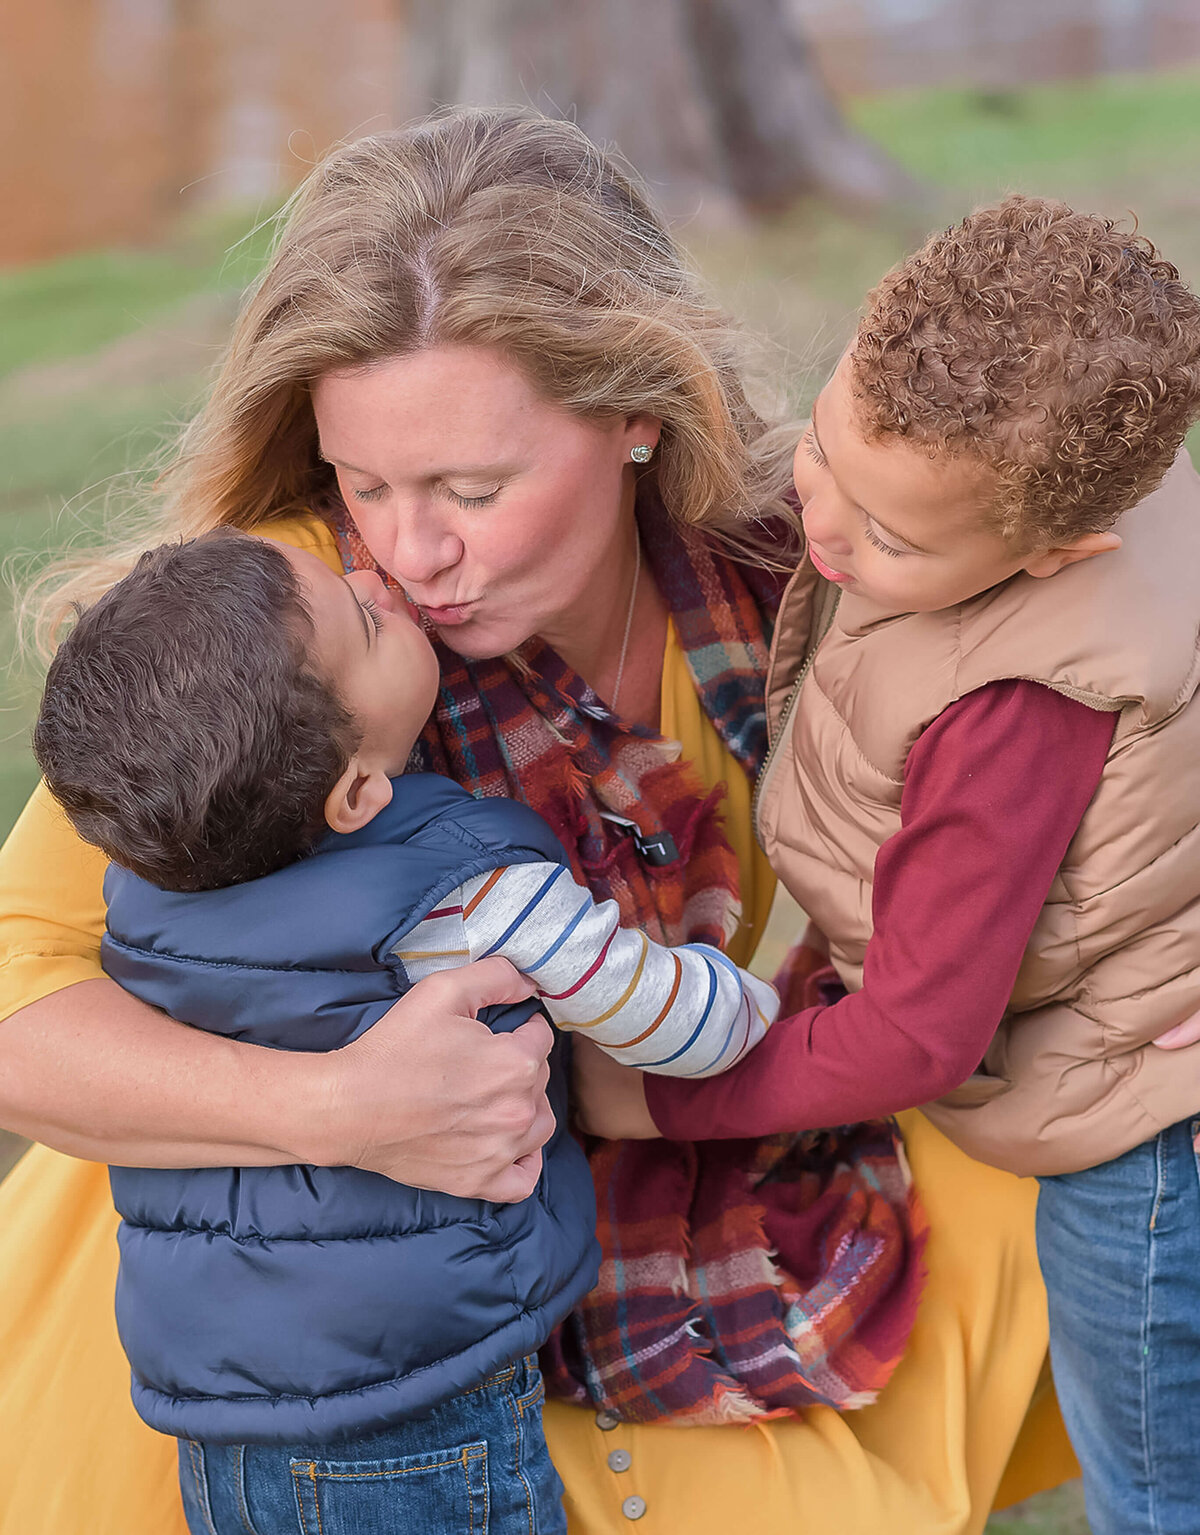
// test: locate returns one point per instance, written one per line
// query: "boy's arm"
(994, 791)
(686, 1012)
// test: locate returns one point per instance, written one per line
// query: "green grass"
(62, 451)
(63, 465)
(1119, 146)
(71, 306)
(1054, 1513)
(1046, 138)
(100, 362)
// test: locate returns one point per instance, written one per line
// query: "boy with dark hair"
(983, 788)
(220, 742)
(205, 723)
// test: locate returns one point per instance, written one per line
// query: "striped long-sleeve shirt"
(681, 1012)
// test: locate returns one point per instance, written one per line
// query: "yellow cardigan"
(929, 1458)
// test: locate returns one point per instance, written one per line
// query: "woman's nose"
(420, 550)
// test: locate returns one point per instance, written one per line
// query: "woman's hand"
(431, 1097)
(609, 1099)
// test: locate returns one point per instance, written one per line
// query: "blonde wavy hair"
(1061, 350)
(502, 229)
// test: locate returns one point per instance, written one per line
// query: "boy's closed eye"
(874, 539)
(813, 448)
(372, 611)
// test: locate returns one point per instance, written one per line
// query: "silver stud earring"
(642, 453)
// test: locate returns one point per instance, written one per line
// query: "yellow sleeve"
(51, 904)
(305, 531)
(51, 907)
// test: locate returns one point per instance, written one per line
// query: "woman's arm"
(95, 1073)
(429, 1096)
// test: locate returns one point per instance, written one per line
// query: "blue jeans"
(477, 1465)
(1120, 1250)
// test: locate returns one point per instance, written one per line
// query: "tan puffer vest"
(1070, 1079)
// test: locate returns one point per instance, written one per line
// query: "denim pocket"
(532, 1399)
(440, 1492)
(193, 1485)
(535, 1471)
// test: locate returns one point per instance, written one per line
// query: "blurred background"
(802, 146)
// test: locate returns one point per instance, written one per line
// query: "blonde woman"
(436, 376)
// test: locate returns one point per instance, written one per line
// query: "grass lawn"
(1054, 1513)
(102, 355)
(101, 358)
(65, 308)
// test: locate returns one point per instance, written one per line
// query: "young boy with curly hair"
(984, 789)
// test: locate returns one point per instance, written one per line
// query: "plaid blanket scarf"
(740, 1279)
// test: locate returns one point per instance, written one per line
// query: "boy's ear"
(1048, 562)
(357, 797)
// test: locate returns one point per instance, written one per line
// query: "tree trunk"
(716, 102)
(780, 126)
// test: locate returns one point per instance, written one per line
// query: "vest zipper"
(825, 623)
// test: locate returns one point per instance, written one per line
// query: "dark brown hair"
(182, 728)
(1060, 350)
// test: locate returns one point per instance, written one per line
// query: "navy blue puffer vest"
(303, 1304)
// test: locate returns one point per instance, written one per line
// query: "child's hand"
(1185, 1033)
(610, 1100)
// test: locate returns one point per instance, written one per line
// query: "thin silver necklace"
(637, 570)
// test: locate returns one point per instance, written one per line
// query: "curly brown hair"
(1061, 351)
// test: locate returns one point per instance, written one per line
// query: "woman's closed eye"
(459, 499)
(377, 492)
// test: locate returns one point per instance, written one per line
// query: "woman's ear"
(357, 797)
(641, 430)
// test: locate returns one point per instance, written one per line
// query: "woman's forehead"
(449, 407)
(442, 373)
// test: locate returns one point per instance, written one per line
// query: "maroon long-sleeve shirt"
(994, 790)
